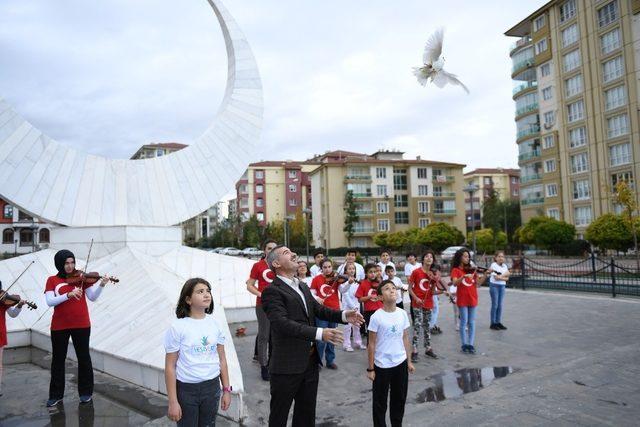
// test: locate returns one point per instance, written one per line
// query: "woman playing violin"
(66, 292)
(422, 288)
(13, 309)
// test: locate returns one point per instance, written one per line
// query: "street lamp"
(306, 212)
(286, 228)
(472, 188)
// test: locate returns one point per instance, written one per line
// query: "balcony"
(443, 178)
(361, 195)
(363, 230)
(364, 213)
(524, 87)
(357, 178)
(522, 65)
(529, 155)
(444, 194)
(527, 109)
(528, 131)
(443, 212)
(532, 201)
(529, 178)
(522, 42)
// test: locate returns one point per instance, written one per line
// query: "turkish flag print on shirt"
(327, 292)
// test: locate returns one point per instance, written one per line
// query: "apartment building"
(21, 233)
(575, 73)
(391, 193)
(505, 182)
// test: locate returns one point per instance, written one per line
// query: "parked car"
(447, 254)
(252, 252)
(230, 251)
(217, 250)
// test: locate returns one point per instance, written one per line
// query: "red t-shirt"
(467, 294)
(421, 286)
(70, 314)
(327, 292)
(261, 273)
(368, 288)
(3, 325)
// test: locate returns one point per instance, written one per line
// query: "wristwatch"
(227, 389)
(370, 370)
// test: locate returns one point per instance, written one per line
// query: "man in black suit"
(294, 360)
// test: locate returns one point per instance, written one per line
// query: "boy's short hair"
(351, 251)
(389, 268)
(384, 283)
(411, 254)
(317, 252)
(385, 251)
(369, 267)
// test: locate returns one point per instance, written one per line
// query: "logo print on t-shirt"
(421, 285)
(372, 293)
(267, 275)
(394, 329)
(326, 293)
(466, 281)
(204, 341)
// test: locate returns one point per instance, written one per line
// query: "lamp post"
(472, 188)
(306, 212)
(286, 228)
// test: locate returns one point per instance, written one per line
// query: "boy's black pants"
(396, 380)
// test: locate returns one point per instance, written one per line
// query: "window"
(579, 163)
(437, 190)
(383, 225)
(8, 212)
(381, 190)
(259, 203)
(260, 216)
(615, 98)
(423, 206)
(549, 118)
(516, 191)
(577, 137)
(402, 217)
(7, 236)
(243, 188)
(401, 201)
(547, 94)
(570, 35)
(617, 125)
(159, 152)
(26, 237)
(582, 215)
(610, 41)
(552, 190)
(514, 179)
(293, 202)
(293, 188)
(567, 10)
(422, 173)
(44, 235)
(550, 165)
(423, 222)
(553, 213)
(607, 14)
(423, 190)
(541, 46)
(612, 69)
(293, 174)
(487, 180)
(575, 111)
(571, 61)
(381, 173)
(545, 70)
(547, 141)
(620, 154)
(581, 190)
(538, 23)
(573, 86)
(622, 176)
(383, 207)
(259, 175)
(399, 179)
(259, 188)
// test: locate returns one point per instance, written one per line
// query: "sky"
(110, 76)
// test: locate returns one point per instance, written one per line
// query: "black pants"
(59, 344)
(396, 379)
(367, 317)
(199, 403)
(413, 316)
(303, 388)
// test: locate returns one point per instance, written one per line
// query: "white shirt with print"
(389, 328)
(384, 266)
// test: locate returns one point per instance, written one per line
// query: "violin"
(336, 279)
(437, 282)
(79, 277)
(475, 269)
(11, 300)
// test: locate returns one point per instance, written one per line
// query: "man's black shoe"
(264, 371)
(501, 326)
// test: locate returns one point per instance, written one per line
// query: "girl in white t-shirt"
(453, 290)
(349, 301)
(195, 361)
(497, 284)
(389, 361)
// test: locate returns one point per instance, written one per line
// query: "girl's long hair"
(457, 258)
(183, 309)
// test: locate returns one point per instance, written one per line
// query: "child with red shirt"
(13, 311)
(466, 279)
(327, 295)
(367, 293)
(422, 289)
(70, 320)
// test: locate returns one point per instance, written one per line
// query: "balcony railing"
(358, 177)
(523, 87)
(532, 201)
(363, 230)
(530, 130)
(523, 41)
(361, 195)
(364, 213)
(525, 63)
(529, 155)
(527, 109)
(444, 211)
(443, 178)
(529, 178)
(444, 194)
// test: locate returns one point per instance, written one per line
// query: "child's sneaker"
(349, 349)
(464, 348)
(86, 399)
(471, 349)
(53, 402)
(430, 353)
(414, 357)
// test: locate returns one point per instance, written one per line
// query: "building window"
(622, 176)
(550, 165)
(545, 70)
(401, 201)
(607, 14)
(610, 41)
(7, 236)
(571, 61)
(399, 179)
(577, 137)
(567, 10)
(575, 111)
(8, 212)
(549, 118)
(259, 175)
(620, 154)
(581, 190)
(573, 86)
(293, 202)
(514, 179)
(538, 23)
(570, 35)
(422, 173)
(293, 174)
(423, 222)
(582, 215)
(159, 152)
(579, 163)
(617, 125)
(260, 216)
(547, 141)
(293, 188)
(402, 217)
(547, 94)
(259, 203)
(243, 188)
(381, 173)
(423, 206)
(612, 69)
(381, 190)
(423, 190)
(259, 188)
(552, 190)
(383, 207)
(383, 225)
(541, 46)
(26, 237)
(615, 98)
(554, 213)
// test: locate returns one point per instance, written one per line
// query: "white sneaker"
(349, 349)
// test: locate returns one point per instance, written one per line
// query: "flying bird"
(433, 64)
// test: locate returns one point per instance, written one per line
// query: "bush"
(610, 231)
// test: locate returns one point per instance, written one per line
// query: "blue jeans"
(434, 311)
(468, 319)
(326, 350)
(497, 296)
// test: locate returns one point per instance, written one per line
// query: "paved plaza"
(567, 359)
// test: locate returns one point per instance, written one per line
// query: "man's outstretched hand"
(354, 317)
(333, 335)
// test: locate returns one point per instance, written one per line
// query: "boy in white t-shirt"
(400, 287)
(385, 260)
(389, 362)
(349, 301)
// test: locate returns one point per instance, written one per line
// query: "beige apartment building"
(575, 72)
(391, 193)
(505, 182)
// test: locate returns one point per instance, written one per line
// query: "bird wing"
(433, 47)
(420, 75)
(442, 78)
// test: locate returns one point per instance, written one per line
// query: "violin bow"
(86, 264)
(6, 291)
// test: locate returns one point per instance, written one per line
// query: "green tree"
(487, 241)
(397, 240)
(297, 230)
(625, 196)
(350, 216)
(547, 233)
(275, 230)
(494, 211)
(610, 231)
(439, 236)
(381, 239)
(251, 232)
(525, 233)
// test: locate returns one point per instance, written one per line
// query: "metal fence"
(591, 274)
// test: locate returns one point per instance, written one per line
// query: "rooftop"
(494, 171)
(523, 27)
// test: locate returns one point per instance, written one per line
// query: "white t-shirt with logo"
(383, 266)
(498, 270)
(389, 328)
(408, 268)
(195, 340)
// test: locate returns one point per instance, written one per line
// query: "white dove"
(434, 63)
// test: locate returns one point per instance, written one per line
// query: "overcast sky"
(109, 76)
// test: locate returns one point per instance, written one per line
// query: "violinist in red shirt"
(367, 293)
(13, 309)
(324, 287)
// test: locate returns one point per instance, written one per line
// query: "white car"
(230, 251)
(252, 252)
(447, 254)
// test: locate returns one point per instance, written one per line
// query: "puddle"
(452, 384)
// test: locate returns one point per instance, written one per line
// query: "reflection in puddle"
(462, 381)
